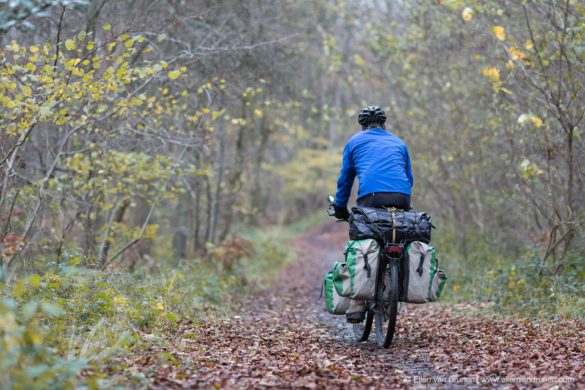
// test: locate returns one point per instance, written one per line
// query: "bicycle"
(383, 309)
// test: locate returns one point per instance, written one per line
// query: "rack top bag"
(389, 226)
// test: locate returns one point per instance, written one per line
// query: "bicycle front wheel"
(386, 308)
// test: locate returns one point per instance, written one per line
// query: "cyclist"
(381, 162)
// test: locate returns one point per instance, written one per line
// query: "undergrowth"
(522, 284)
(68, 319)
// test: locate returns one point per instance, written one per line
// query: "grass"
(513, 284)
(68, 319)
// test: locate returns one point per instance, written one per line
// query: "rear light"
(394, 249)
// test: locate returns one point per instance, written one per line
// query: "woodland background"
(149, 147)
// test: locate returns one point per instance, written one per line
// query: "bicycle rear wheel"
(386, 308)
(362, 330)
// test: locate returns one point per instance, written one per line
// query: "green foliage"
(520, 285)
(26, 359)
(54, 325)
(62, 321)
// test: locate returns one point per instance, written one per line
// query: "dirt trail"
(283, 338)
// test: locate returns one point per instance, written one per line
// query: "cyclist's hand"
(341, 213)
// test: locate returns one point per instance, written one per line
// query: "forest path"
(284, 338)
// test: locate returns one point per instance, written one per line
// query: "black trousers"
(385, 199)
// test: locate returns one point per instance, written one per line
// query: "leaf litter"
(282, 337)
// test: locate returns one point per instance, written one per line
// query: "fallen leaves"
(283, 338)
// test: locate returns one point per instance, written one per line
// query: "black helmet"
(371, 115)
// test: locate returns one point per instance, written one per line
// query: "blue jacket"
(381, 162)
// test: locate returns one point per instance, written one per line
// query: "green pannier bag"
(425, 280)
(334, 303)
(356, 276)
(341, 280)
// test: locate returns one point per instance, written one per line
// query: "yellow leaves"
(517, 54)
(48, 69)
(8, 103)
(174, 74)
(70, 44)
(529, 169)
(34, 338)
(107, 27)
(493, 74)
(34, 280)
(151, 230)
(27, 91)
(528, 45)
(13, 47)
(258, 113)
(238, 121)
(75, 260)
(202, 88)
(216, 114)
(122, 73)
(499, 32)
(82, 35)
(525, 119)
(69, 64)
(96, 63)
(30, 67)
(359, 60)
(111, 46)
(467, 14)
(120, 300)
(537, 121)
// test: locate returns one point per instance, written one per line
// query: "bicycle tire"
(362, 331)
(386, 309)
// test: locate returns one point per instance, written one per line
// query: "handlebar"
(331, 208)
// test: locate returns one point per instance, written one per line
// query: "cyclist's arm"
(346, 178)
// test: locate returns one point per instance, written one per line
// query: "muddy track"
(283, 338)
